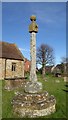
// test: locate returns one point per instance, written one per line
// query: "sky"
(51, 20)
(34, 0)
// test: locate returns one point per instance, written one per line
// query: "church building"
(11, 61)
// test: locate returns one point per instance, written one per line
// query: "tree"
(45, 56)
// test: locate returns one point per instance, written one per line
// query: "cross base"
(33, 87)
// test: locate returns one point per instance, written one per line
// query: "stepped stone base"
(33, 105)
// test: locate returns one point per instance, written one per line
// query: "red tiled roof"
(10, 51)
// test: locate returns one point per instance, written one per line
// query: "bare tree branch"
(45, 56)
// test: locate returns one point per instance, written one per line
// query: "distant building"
(27, 65)
(56, 70)
(48, 69)
(11, 61)
(53, 68)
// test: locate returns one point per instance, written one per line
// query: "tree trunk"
(43, 71)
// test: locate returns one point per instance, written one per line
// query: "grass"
(56, 89)
(53, 88)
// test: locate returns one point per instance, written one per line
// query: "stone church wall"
(19, 70)
(2, 68)
(6, 68)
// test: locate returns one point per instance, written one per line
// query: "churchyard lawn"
(54, 85)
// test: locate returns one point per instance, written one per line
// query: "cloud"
(25, 50)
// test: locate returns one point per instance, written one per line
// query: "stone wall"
(2, 68)
(19, 72)
(13, 84)
(6, 68)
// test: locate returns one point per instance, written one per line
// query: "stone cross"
(33, 29)
(33, 86)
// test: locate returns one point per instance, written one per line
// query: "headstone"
(65, 79)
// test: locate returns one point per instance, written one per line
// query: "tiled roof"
(10, 51)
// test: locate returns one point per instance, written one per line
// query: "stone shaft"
(33, 76)
(33, 86)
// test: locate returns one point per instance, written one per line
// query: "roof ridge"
(6, 42)
(10, 50)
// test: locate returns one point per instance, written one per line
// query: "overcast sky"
(51, 19)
